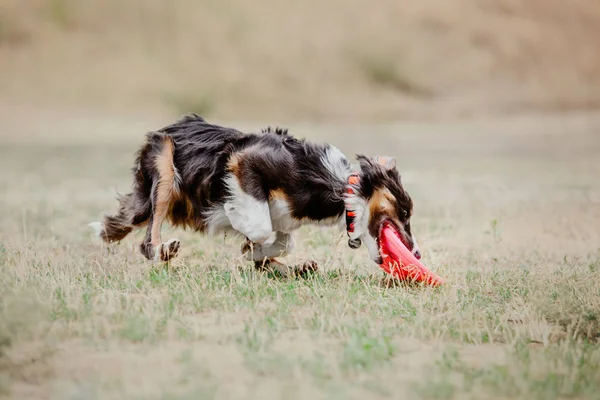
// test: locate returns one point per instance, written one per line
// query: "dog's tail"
(114, 228)
(134, 208)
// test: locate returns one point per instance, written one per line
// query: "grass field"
(507, 211)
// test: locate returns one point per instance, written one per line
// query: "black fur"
(274, 160)
(294, 167)
(277, 130)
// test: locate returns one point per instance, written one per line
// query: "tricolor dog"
(263, 186)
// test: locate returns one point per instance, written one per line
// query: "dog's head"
(379, 197)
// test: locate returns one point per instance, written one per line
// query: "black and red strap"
(353, 180)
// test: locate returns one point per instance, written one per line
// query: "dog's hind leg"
(165, 188)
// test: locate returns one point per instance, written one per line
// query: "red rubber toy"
(400, 262)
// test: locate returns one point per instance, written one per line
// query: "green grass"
(518, 317)
(336, 328)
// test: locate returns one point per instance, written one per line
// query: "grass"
(518, 317)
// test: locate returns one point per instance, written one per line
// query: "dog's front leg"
(249, 215)
(281, 247)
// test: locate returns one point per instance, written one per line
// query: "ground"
(506, 210)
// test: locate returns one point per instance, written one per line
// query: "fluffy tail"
(134, 208)
(114, 228)
(153, 164)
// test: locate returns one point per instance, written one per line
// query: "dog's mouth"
(389, 228)
(399, 261)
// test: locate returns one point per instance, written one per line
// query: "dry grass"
(506, 211)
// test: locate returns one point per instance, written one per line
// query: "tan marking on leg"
(166, 189)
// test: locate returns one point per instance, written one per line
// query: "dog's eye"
(405, 213)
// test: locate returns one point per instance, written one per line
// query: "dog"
(263, 186)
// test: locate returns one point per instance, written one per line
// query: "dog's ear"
(364, 161)
(386, 162)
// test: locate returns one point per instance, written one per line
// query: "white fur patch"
(281, 216)
(98, 227)
(336, 163)
(216, 220)
(371, 244)
(248, 215)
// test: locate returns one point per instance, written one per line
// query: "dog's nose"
(417, 255)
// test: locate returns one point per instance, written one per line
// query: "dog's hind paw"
(167, 250)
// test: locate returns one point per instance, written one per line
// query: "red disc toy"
(400, 262)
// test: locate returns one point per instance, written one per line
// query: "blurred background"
(281, 61)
